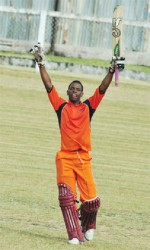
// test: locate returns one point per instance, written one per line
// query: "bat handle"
(116, 76)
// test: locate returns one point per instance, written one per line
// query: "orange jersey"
(74, 120)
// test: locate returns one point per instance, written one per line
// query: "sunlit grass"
(30, 217)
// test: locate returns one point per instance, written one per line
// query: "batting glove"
(118, 62)
(38, 53)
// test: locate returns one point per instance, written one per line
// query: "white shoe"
(89, 234)
(74, 241)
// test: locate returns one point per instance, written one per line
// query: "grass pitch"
(30, 217)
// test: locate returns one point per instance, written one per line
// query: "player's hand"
(118, 62)
(38, 53)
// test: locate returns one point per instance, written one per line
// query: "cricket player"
(73, 161)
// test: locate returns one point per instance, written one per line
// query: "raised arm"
(119, 62)
(106, 82)
(45, 78)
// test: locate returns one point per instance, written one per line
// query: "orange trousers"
(74, 169)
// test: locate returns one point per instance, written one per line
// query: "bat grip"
(116, 76)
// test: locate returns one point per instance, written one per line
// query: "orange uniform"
(73, 162)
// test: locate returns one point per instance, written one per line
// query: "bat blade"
(117, 20)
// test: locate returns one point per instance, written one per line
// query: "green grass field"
(30, 217)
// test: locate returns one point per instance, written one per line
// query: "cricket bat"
(117, 20)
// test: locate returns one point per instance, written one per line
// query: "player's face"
(75, 92)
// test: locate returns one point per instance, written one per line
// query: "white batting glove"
(119, 62)
(38, 53)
